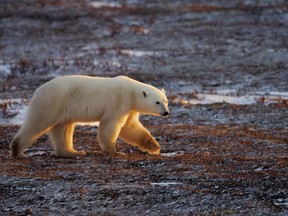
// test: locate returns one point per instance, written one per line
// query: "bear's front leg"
(108, 133)
(150, 145)
(135, 134)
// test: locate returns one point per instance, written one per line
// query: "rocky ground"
(224, 67)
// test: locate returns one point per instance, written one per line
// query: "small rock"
(13, 88)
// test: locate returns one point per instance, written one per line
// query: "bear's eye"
(157, 102)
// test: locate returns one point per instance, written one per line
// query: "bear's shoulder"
(127, 80)
(122, 77)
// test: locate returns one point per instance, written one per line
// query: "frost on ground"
(13, 111)
(224, 69)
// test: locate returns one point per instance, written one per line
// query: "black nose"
(166, 113)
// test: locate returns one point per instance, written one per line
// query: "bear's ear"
(163, 90)
(144, 94)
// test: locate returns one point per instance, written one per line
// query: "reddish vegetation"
(214, 164)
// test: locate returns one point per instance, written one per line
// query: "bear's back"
(84, 94)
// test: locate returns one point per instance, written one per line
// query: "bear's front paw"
(151, 146)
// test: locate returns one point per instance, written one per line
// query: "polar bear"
(115, 102)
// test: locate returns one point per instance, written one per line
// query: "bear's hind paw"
(20, 156)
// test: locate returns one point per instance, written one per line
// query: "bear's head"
(153, 102)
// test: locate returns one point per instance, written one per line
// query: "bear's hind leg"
(61, 137)
(19, 145)
(24, 139)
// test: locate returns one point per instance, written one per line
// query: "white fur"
(116, 102)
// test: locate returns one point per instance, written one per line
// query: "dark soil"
(217, 159)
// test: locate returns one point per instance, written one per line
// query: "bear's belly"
(82, 113)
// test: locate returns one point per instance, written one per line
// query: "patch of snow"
(165, 184)
(171, 154)
(139, 53)
(213, 98)
(5, 70)
(91, 46)
(98, 4)
(227, 91)
(96, 62)
(226, 96)
(19, 118)
(274, 93)
(13, 111)
(281, 202)
(115, 63)
(261, 168)
(39, 152)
